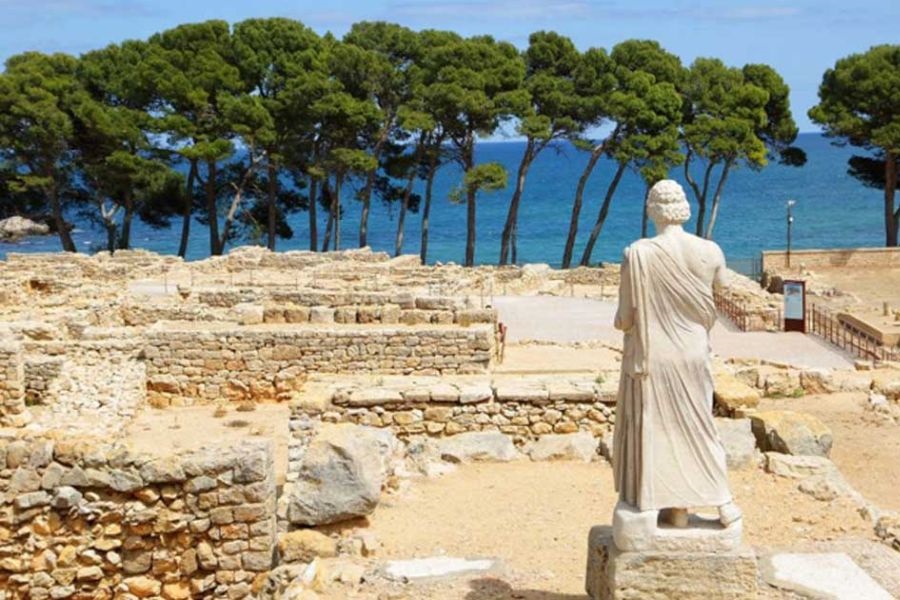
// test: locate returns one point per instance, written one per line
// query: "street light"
(790, 221)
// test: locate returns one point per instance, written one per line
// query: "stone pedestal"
(683, 569)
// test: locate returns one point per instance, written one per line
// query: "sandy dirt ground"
(174, 429)
(582, 319)
(534, 518)
(541, 358)
(866, 447)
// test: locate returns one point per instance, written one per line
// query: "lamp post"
(790, 222)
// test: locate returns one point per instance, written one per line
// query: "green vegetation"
(860, 105)
(238, 127)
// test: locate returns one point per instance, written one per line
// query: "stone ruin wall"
(13, 411)
(189, 365)
(516, 411)
(81, 519)
(775, 261)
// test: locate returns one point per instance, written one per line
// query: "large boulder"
(573, 446)
(14, 228)
(341, 475)
(791, 432)
(740, 445)
(731, 394)
(478, 446)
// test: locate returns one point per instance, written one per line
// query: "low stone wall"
(187, 365)
(13, 411)
(84, 520)
(525, 408)
(776, 260)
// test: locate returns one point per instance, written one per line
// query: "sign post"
(795, 306)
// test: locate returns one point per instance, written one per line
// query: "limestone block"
(374, 396)
(575, 446)
(443, 392)
(273, 314)
(818, 381)
(569, 392)
(663, 575)
(473, 393)
(797, 467)
(296, 314)
(731, 394)
(888, 384)
(821, 575)
(781, 383)
(478, 446)
(303, 545)
(740, 445)
(437, 303)
(475, 316)
(521, 392)
(247, 313)
(852, 381)
(321, 314)
(827, 486)
(791, 433)
(345, 314)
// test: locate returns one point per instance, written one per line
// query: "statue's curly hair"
(667, 203)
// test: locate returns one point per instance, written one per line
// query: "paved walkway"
(566, 320)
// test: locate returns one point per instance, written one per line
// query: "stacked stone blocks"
(81, 519)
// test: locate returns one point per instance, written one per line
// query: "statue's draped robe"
(667, 452)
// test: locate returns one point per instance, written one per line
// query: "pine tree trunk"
(717, 198)
(601, 217)
(891, 216)
(367, 190)
(701, 200)
(211, 210)
(272, 196)
(187, 210)
(62, 228)
(470, 227)
(336, 210)
(596, 153)
(401, 219)
(513, 214)
(110, 236)
(313, 224)
(426, 211)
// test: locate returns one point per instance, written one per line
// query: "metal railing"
(736, 311)
(822, 322)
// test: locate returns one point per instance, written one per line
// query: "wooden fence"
(821, 322)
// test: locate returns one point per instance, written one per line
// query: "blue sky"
(800, 38)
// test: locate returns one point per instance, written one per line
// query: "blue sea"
(832, 210)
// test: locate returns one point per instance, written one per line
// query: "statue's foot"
(729, 513)
(676, 517)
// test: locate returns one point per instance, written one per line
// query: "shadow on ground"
(489, 588)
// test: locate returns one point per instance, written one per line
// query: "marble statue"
(667, 454)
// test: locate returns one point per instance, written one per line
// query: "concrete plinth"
(714, 574)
